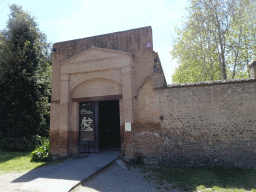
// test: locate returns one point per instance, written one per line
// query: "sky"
(73, 19)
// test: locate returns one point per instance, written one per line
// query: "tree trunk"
(222, 64)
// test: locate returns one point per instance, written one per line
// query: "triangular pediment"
(95, 53)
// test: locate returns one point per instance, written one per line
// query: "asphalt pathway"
(114, 178)
(64, 176)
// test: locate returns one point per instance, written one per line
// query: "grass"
(20, 162)
(200, 179)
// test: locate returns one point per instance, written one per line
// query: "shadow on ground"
(116, 179)
(40, 171)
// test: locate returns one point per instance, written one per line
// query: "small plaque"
(128, 126)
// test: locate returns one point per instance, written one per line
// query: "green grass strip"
(20, 162)
(202, 179)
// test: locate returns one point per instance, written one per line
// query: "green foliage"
(17, 144)
(41, 153)
(20, 113)
(24, 42)
(25, 77)
(44, 80)
(217, 41)
(21, 161)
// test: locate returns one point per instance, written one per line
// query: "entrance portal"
(99, 124)
(109, 126)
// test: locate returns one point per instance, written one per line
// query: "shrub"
(41, 153)
(139, 159)
(17, 144)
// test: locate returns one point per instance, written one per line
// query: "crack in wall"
(136, 96)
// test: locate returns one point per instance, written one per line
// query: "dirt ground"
(6, 184)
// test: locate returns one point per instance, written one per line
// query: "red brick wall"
(209, 123)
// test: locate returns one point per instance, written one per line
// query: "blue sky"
(72, 19)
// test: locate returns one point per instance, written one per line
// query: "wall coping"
(207, 83)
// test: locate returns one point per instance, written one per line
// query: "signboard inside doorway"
(86, 121)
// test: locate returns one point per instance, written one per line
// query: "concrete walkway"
(64, 176)
(114, 178)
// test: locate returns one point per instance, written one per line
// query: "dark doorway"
(109, 126)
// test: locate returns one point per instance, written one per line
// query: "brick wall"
(132, 41)
(139, 43)
(252, 68)
(209, 123)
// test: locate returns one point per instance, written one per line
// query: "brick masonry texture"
(132, 41)
(205, 124)
(193, 124)
(64, 131)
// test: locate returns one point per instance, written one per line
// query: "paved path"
(64, 176)
(113, 178)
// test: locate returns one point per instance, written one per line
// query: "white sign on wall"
(128, 126)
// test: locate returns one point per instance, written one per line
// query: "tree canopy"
(217, 41)
(25, 77)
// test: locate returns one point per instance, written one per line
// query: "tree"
(25, 76)
(198, 61)
(44, 82)
(216, 41)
